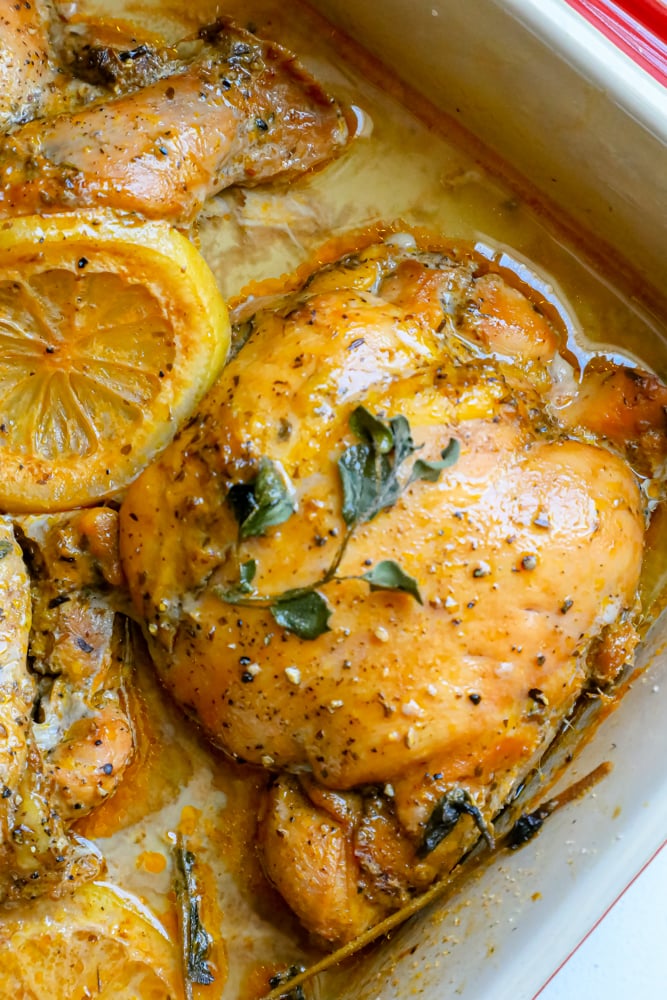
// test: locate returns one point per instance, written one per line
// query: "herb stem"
(268, 601)
(333, 569)
(252, 601)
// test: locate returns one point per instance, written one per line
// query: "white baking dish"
(588, 127)
(543, 88)
(575, 119)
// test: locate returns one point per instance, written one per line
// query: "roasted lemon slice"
(97, 943)
(110, 332)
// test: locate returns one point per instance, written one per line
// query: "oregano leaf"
(306, 614)
(359, 480)
(450, 454)
(371, 430)
(273, 498)
(247, 572)
(388, 575)
(447, 811)
(430, 471)
(241, 498)
(404, 446)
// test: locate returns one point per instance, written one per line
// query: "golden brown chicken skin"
(66, 737)
(79, 656)
(40, 53)
(26, 71)
(519, 560)
(242, 111)
(38, 854)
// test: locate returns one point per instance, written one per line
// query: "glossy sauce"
(398, 168)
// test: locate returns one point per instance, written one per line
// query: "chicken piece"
(242, 111)
(79, 651)
(37, 853)
(313, 864)
(26, 71)
(66, 736)
(342, 860)
(39, 56)
(626, 407)
(429, 650)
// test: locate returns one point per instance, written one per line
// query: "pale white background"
(625, 957)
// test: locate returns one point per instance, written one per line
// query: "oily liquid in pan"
(397, 168)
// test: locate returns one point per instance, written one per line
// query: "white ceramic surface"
(537, 83)
(624, 956)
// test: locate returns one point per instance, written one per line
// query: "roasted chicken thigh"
(66, 732)
(158, 129)
(382, 561)
(26, 69)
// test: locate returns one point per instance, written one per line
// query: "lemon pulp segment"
(110, 333)
(97, 942)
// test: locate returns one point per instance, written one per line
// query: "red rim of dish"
(597, 923)
(637, 27)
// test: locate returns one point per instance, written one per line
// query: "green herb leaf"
(358, 473)
(274, 498)
(195, 938)
(404, 446)
(430, 471)
(241, 498)
(264, 503)
(243, 588)
(306, 614)
(369, 471)
(388, 575)
(247, 572)
(5, 548)
(371, 430)
(369, 483)
(444, 817)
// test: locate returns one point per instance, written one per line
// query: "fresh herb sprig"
(373, 478)
(196, 941)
